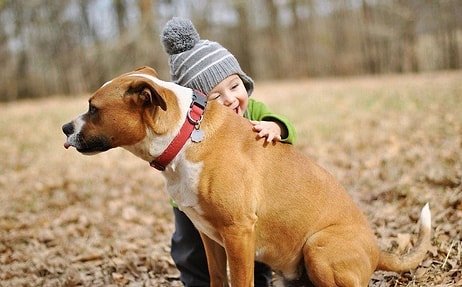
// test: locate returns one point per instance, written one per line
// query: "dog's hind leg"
(340, 257)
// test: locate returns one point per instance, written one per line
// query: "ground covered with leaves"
(394, 142)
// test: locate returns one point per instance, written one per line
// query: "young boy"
(207, 66)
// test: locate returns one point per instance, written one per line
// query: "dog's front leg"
(216, 260)
(240, 249)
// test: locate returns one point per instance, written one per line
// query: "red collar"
(190, 125)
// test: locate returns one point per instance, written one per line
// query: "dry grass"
(394, 141)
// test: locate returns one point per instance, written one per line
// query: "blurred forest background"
(67, 47)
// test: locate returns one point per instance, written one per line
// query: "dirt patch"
(71, 220)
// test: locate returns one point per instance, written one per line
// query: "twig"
(459, 251)
(447, 255)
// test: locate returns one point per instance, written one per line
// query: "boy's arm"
(259, 112)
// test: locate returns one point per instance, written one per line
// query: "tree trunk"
(275, 48)
(244, 52)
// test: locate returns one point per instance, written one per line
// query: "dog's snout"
(68, 129)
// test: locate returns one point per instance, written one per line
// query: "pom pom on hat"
(179, 35)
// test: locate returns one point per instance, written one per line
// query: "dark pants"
(189, 256)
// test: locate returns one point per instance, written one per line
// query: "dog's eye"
(92, 109)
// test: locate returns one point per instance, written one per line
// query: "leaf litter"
(394, 142)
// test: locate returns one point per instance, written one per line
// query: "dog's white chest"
(182, 186)
(183, 180)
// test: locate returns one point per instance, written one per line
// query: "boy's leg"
(262, 275)
(188, 252)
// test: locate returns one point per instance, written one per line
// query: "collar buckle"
(157, 165)
(199, 99)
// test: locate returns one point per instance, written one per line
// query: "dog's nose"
(68, 129)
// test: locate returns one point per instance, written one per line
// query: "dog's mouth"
(94, 146)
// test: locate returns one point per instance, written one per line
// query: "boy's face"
(231, 92)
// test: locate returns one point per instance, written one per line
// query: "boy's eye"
(213, 97)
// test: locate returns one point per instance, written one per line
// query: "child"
(207, 66)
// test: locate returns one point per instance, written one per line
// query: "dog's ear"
(147, 70)
(151, 96)
(145, 93)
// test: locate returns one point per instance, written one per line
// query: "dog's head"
(124, 110)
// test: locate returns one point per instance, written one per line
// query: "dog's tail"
(397, 263)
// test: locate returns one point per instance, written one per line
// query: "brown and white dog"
(250, 200)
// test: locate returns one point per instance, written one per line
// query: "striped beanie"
(195, 63)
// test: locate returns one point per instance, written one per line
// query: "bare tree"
(120, 8)
(274, 43)
(447, 32)
(244, 50)
(20, 87)
(370, 41)
(303, 26)
(73, 46)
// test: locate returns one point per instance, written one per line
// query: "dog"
(249, 199)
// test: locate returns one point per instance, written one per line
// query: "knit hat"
(195, 63)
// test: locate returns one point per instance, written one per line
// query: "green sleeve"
(257, 111)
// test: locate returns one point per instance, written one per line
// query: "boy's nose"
(227, 100)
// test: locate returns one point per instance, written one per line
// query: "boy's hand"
(269, 130)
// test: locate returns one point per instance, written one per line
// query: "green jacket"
(257, 111)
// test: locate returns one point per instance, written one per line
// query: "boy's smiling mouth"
(236, 109)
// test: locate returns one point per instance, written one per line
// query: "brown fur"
(263, 199)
